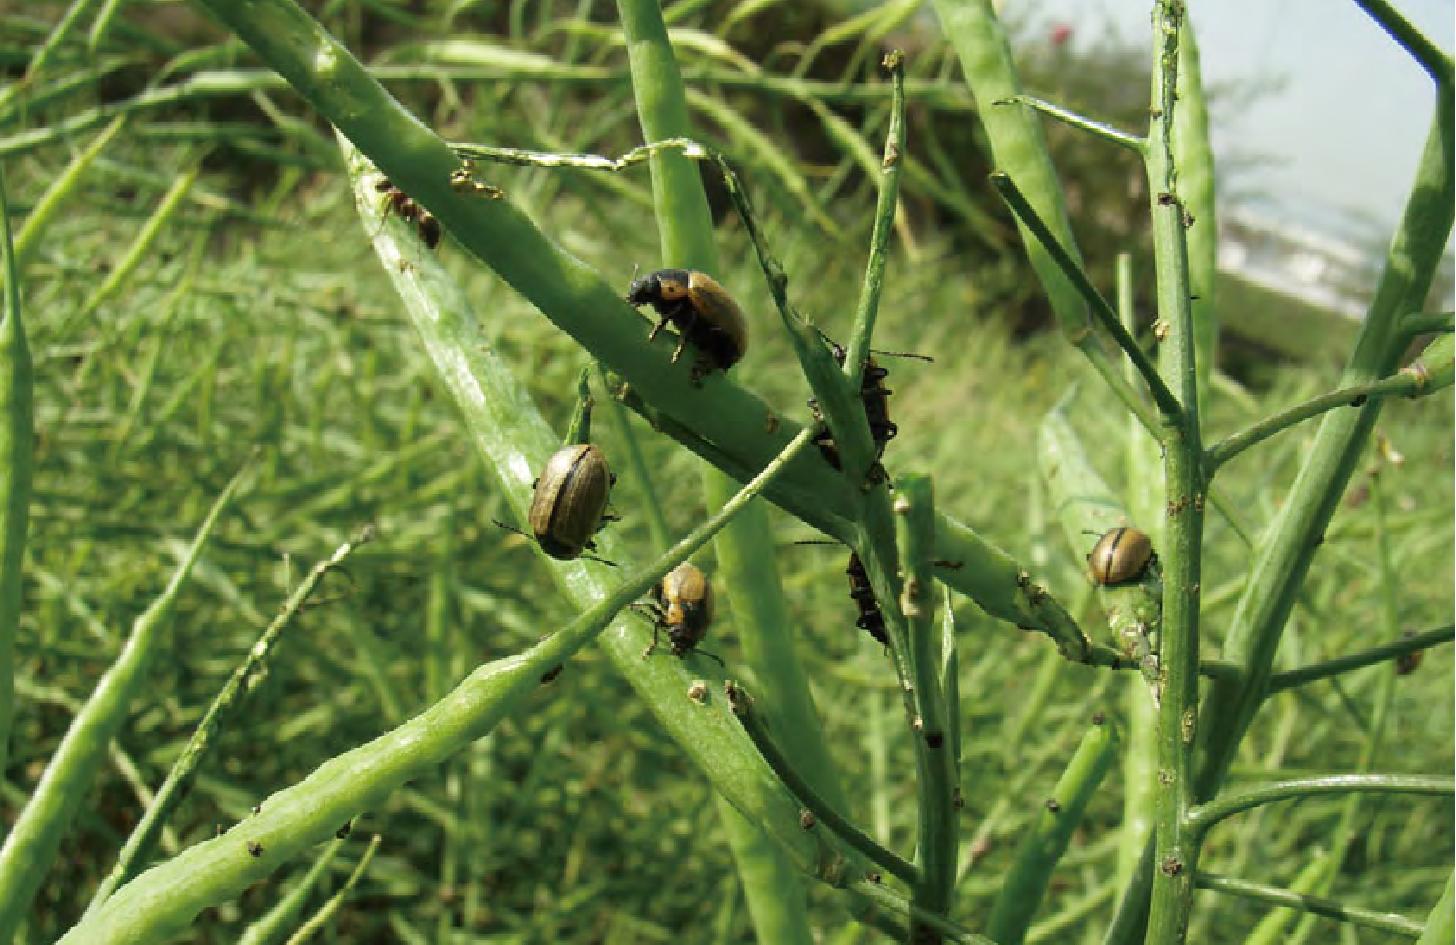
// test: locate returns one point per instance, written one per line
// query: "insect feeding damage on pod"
(700, 309)
(1121, 555)
(405, 207)
(684, 607)
(570, 500)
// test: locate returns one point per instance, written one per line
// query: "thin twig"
(891, 861)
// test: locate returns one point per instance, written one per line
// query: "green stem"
(1018, 146)
(1105, 314)
(17, 448)
(1185, 491)
(335, 902)
(1431, 57)
(1092, 126)
(824, 811)
(32, 844)
(1365, 918)
(1395, 649)
(269, 929)
(1193, 153)
(891, 167)
(1440, 926)
(937, 777)
(1046, 841)
(139, 845)
(1204, 816)
(1427, 375)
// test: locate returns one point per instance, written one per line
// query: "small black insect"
(871, 618)
(405, 207)
(875, 397)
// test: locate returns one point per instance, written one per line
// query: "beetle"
(1121, 555)
(871, 618)
(407, 209)
(683, 606)
(700, 309)
(569, 503)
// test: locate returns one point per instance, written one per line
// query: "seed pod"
(700, 309)
(569, 501)
(685, 608)
(1121, 555)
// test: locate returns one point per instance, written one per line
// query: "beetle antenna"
(610, 564)
(903, 354)
(512, 528)
(815, 541)
(713, 655)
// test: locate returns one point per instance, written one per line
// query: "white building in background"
(1314, 267)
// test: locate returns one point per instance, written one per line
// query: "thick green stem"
(1045, 843)
(1177, 849)
(936, 774)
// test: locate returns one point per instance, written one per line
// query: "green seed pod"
(569, 501)
(1121, 555)
(685, 600)
(699, 308)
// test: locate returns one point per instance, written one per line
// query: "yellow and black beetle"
(683, 605)
(700, 309)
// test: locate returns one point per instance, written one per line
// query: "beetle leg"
(682, 343)
(652, 335)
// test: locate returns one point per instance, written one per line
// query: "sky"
(1346, 115)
